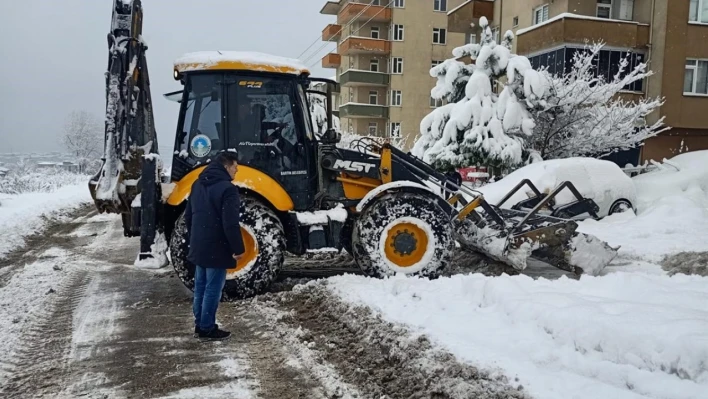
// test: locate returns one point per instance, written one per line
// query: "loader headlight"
(176, 74)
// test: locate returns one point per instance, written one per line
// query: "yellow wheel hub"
(251, 245)
(406, 244)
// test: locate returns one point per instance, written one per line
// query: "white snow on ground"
(21, 215)
(618, 336)
(24, 298)
(671, 225)
(672, 212)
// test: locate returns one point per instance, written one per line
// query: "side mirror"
(331, 136)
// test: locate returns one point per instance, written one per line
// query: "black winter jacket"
(212, 218)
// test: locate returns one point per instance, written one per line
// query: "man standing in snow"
(215, 241)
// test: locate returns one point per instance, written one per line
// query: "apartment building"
(671, 35)
(385, 49)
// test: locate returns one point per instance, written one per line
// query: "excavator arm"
(128, 181)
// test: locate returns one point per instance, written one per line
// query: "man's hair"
(227, 158)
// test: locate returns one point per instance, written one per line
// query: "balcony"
(331, 33)
(364, 45)
(331, 60)
(572, 29)
(357, 77)
(458, 20)
(359, 110)
(353, 10)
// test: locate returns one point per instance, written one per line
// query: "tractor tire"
(264, 237)
(404, 233)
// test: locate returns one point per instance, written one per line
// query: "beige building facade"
(385, 50)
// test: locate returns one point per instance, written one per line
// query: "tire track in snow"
(40, 366)
(380, 359)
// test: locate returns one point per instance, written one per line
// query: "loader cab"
(258, 109)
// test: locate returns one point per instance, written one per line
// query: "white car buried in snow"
(601, 181)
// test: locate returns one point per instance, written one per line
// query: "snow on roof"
(573, 16)
(242, 60)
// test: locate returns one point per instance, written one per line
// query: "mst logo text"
(353, 166)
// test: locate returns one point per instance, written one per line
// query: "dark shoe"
(214, 335)
(197, 330)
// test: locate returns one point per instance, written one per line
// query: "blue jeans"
(208, 284)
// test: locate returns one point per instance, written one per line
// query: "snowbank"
(618, 336)
(672, 212)
(21, 215)
(685, 175)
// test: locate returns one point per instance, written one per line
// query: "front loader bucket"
(548, 239)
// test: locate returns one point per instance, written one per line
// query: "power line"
(357, 31)
(340, 30)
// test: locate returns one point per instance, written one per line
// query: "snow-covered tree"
(585, 116)
(536, 115)
(479, 126)
(83, 137)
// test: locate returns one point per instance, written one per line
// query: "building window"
(540, 14)
(698, 11)
(515, 22)
(604, 9)
(397, 65)
(472, 38)
(606, 65)
(495, 34)
(374, 65)
(439, 36)
(398, 33)
(695, 79)
(395, 130)
(374, 32)
(435, 63)
(399, 3)
(373, 97)
(440, 5)
(373, 128)
(396, 98)
(435, 103)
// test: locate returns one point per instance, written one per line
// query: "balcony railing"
(458, 20)
(331, 60)
(331, 33)
(359, 110)
(569, 29)
(362, 10)
(364, 45)
(357, 77)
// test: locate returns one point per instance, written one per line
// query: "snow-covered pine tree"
(585, 116)
(478, 126)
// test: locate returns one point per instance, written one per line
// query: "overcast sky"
(54, 55)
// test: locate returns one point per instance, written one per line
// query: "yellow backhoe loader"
(300, 191)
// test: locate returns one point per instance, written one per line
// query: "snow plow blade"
(551, 240)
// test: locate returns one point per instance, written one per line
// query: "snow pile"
(685, 175)
(251, 60)
(672, 212)
(618, 336)
(158, 252)
(603, 181)
(22, 215)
